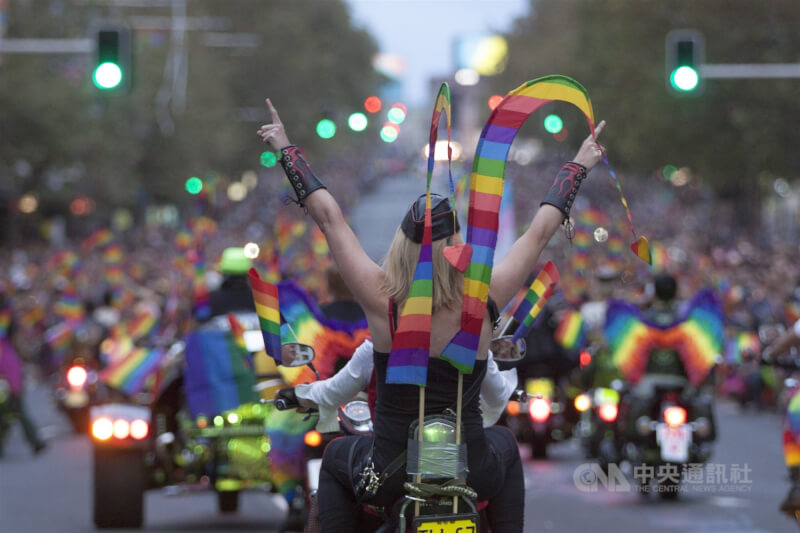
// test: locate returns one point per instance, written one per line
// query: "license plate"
(540, 386)
(460, 523)
(674, 442)
(76, 398)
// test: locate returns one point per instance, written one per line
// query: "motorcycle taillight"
(539, 409)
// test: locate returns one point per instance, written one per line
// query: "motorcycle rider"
(234, 292)
(791, 432)
(355, 376)
(495, 469)
(12, 370)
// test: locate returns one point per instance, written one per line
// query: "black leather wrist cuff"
(565, 187)
(301, 177)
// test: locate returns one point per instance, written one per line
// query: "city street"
(52, 492)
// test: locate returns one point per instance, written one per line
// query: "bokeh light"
(467, 77)
(237, 191)
(251, 250)
(357, 121)
(194, 185)
(268, 159)
(373, 104)
(494, 101)
(389, 132)
(397, 113)
(326, 128)
(28, 203)
(553, 124)
(601, 234)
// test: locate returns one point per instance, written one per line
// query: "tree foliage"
(730, 134)
(63, 137)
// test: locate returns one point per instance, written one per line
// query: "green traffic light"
(684, 79)
(194, 185)
(326, 128)
(107, 75)
(553, 124)
(268, 159)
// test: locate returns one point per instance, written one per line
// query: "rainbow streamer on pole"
(697, 337)
(536, 298)
(408, 361)
(265, 297)
(486, 191)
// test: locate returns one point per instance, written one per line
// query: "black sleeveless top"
(397, 405)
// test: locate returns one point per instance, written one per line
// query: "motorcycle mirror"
(294, 354)
(507, 352)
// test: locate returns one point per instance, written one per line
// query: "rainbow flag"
(5, 322)
(63, 262)
(202, 305)
(98, 239)
(183, 240)
(59, 337)
(217, 376)
(659, 259)
(741, 343)
(535, 299)
(592, 217)
(486, 191)
(571, 330)
(697, 337)
(287, 452)
(791, 432)
(142, 325)
(113, 254)
(265, 297)
(130, 373)
(408, 360)
(70, 306)
(203, 227)
(333, 339)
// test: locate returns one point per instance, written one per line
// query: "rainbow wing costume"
(697, 337)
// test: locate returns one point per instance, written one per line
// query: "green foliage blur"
(62, 137)
(730, 135)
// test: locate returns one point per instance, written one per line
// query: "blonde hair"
(401, 262)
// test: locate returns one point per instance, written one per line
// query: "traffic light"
(112, 69)
(684, 59)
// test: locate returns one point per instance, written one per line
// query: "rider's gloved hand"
(286, 399)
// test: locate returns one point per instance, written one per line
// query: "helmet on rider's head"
(234, 262)
(666, 287)
(443, 218)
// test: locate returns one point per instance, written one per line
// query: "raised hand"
(273, 134)
(590, 151)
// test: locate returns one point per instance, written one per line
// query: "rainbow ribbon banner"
(536, 298)
(265, 297)
(408, 360)
(486, 192)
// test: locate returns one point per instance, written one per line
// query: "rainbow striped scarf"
(408, 361)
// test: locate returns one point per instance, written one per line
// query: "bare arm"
(789, 338)
(511, 272)
(362, 276)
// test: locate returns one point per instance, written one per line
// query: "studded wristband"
(301, 177)
(565, 187)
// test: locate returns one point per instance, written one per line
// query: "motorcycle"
(448, 511)
(663, 420)
(597, 429)
(175, 442)
(76, 391)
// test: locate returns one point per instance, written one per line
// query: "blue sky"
(422, 32)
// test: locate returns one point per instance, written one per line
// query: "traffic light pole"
(750, 70)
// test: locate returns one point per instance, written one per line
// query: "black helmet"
(442, 218)
(666, 287)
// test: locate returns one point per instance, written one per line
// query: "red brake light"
(102, 429)
(608, 412)
(121, 429)
(77, 376)
(675, 416)
(586, 358)
(539, 409)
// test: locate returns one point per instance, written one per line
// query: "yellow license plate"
(541, 386)
(457, 524)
